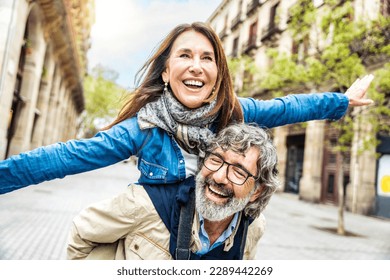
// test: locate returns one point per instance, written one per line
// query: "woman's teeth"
(193, 83)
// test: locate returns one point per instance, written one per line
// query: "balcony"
(251, 44)
(223, 33)
(236, 21)
(234, 53)
(252, 5)
(268, 32)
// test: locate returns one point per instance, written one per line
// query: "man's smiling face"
(218, 198)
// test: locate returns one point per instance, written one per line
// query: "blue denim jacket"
(159, 157)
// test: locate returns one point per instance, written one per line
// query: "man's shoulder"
(135, 199)
(257, 227)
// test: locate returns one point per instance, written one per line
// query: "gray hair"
(241, 137)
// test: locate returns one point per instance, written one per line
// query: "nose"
(220, 176)
(196, 66)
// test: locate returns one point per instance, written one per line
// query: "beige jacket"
(129, 227)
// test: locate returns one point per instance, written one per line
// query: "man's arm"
(255, 232)
(105, 222)
(78, 248)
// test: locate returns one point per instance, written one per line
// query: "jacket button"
(136, 247)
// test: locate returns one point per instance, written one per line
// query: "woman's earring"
(165, 86)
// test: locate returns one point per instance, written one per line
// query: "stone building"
(43, 46)
(307, 162)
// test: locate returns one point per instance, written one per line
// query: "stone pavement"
(298, 230)
(35, 221)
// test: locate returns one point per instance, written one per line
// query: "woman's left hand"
(357, 91)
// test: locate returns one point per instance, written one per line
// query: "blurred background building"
(307, 162)
(43, 47)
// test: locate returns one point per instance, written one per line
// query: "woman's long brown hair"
(152, 83)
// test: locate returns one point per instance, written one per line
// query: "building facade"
(307, 161)
(43, 46)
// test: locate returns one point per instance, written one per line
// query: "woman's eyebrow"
(186, 50)
(208, 53)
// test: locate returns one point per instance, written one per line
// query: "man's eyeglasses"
(235, 174)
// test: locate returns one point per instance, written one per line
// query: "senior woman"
(185, 96)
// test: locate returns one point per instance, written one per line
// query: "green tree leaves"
(345, 50)
(102, 98)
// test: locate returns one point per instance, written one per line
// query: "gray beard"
(209, 209)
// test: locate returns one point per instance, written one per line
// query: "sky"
(126, 32)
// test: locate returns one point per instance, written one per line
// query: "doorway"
(294, 165)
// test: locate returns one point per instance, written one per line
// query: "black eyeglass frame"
(227, 169)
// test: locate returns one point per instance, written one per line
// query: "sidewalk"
(35, 221)
(298, 230)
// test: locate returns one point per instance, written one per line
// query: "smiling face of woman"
(191, 69)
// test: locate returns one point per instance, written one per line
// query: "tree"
(102, 99)
(342, 50)
(243, 70)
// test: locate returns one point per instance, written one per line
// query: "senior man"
(221, 219)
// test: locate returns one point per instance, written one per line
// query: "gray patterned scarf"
(189, 126)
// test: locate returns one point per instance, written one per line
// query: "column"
(310, 185)
(29, 91)
(54, 95)
(12, 25)
(43, 100)
(65, 117)
(58, 114)
(361, 193)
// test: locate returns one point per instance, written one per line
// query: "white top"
(191, 163)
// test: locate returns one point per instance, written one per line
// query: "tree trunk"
(340, 188)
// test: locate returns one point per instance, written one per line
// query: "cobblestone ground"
(35, 221)
(298, 230)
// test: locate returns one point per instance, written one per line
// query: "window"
(252, 34)
(332, 158)
(235, 47)
(385, 7)
(223, 32)
(272, 18)
(300, 49)
(331, 183)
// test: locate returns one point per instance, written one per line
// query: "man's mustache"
(219, 187)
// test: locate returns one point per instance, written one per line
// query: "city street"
(35, 221)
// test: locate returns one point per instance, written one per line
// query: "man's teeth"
(217, 192)
(193, 83)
